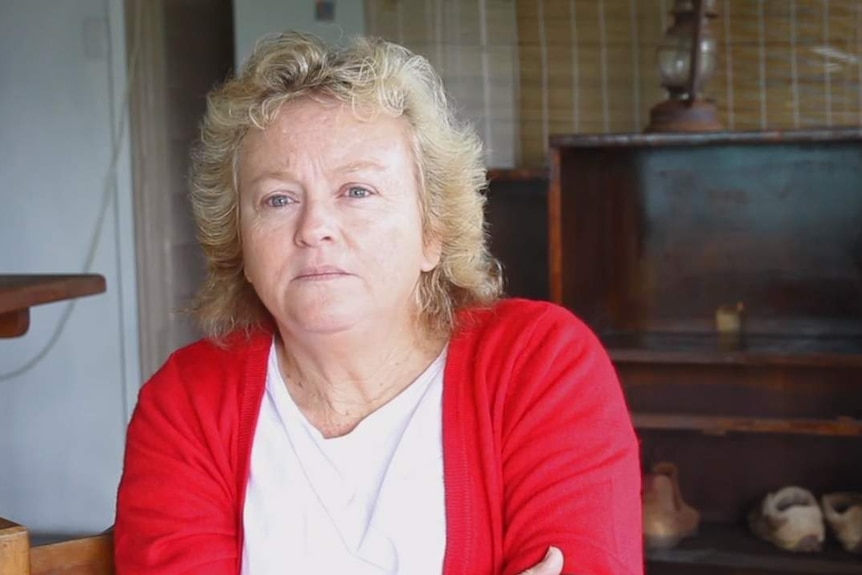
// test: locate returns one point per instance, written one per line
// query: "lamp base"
(681, 116)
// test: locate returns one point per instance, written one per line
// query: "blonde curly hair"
(367, 73)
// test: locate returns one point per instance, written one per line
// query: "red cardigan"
(538, 450)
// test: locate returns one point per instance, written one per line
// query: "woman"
(363, 401)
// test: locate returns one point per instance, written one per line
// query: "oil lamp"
(687, 58)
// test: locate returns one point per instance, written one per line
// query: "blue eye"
(278, 201)
(357, 192)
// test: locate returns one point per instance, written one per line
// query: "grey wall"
(255, 18)
(62, 422)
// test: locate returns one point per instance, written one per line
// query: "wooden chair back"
(14, 548)
(84, 556)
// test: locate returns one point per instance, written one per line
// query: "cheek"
(400, 250)
(250, 260)
(268, 250)
(245, 239)
(256, 252)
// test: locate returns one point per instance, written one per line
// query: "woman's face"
(330, 219)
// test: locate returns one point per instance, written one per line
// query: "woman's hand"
(551, 564)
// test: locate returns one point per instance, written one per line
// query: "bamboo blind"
(523, 70)
(473, 45)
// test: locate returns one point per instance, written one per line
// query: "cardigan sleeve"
(175, 514)
(571, 466)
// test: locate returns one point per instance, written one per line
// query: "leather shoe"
(843, 513)
(790, 518)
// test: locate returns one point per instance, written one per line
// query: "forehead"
(328, 131)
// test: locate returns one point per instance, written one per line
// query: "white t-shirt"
(369, 502)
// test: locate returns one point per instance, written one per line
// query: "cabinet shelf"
(707, 348)
(732, 546)
(720, 425)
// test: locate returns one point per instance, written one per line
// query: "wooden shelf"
(753, 350)
(18, 293)
(720, 425)
(734, 547)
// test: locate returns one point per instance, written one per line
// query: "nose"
(316, 223)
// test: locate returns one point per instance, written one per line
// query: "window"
(523, 70)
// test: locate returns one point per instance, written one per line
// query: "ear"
(432, 251)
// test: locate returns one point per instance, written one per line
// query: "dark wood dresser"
(649, 235)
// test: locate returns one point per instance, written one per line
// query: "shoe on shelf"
(843, 513)
(791, 519)
(667, 518)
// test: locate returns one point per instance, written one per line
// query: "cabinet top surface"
(707, 138)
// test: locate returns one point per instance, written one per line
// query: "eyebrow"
(270, 175)
(360, 165)
(349, 168)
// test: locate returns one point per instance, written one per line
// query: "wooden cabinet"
(517, 221)
(649, 236)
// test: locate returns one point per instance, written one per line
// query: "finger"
(551, 564)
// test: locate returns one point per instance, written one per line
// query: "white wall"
(62, 423)
(255, 18)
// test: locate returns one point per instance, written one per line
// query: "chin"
(324, 321)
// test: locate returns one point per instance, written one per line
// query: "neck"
(338, 380)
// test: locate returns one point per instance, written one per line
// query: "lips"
(321, 273)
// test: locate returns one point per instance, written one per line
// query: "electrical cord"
(109, 195)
